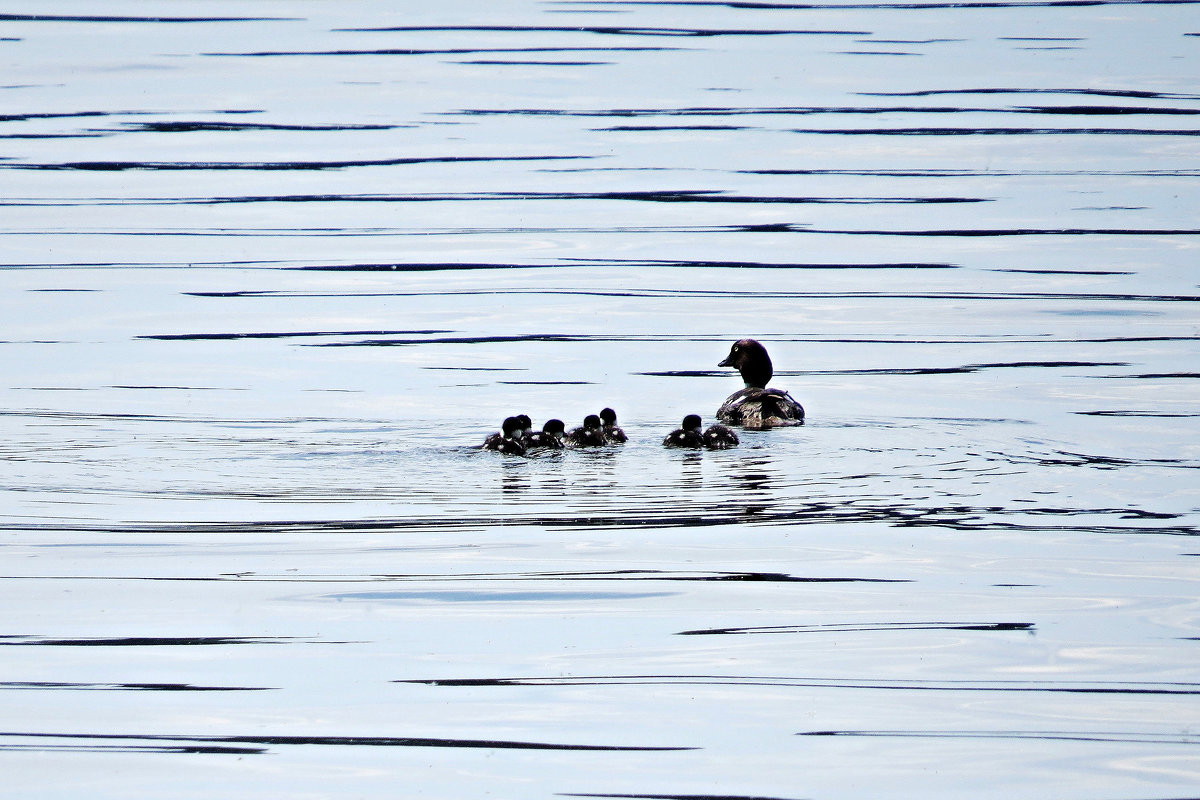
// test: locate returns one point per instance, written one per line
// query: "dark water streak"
(335, 741)
(788, 111)
(605, 30)
(135, 687)
(1133, 688)
(1071, 736)
(856, 628)
(450, 51)
(903, 515)
(122, 166)
(618, 575)
(691, 196)
(139, 641)
(137, 19)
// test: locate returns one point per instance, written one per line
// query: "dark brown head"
(750, 358)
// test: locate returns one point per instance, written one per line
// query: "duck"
(612, 434)
(507, 440)
(590, 435)
(720, 437)
(687, 435)
(550, 436)
(756, 406)
(526, 427)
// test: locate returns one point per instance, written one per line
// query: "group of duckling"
(754, 407)
(517, 437)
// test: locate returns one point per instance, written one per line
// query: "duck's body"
(507, 440)
(589, 435)
(688, 435)
(511, 447)
(720, 437)
(549, 437)
(756, 406)
(608, 426)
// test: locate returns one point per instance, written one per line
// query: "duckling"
(550, 436)
(590, 435)
(720, 437)
(506, 441)
(688, 435)
(526, 428)
(756, 406)
(612, 434)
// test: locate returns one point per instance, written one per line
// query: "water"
(273, 271)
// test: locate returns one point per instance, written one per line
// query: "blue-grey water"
(272, 270)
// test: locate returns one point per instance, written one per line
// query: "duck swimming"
(590, 435)
(526, 427)
(612, 434)
(688, 435)
(550, 436)
(720, 437)
(756, 406)
(508, 439)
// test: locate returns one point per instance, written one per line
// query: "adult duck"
(756, 406)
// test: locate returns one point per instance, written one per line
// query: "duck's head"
(591, 422)
(511, 427)
(554, 427)
(526, 423)
(608, 416)
(692, 422)
(750, 358)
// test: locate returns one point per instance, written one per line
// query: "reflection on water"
(270, 279)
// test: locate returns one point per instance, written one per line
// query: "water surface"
(273, 271)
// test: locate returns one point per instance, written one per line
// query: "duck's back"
(503, 444)
(719, 437)
(585, 437)
(684, 438)
(545, 440)
(614, 435)
(753, 407)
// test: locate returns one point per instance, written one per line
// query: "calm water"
(273, 270)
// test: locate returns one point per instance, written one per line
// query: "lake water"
(272, 271)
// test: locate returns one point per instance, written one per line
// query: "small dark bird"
(550, 436)
(612, 434)
(590, 435)
(756, 406)
(720, 437)
(506, 441)
(526, 427)
(688, 435)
